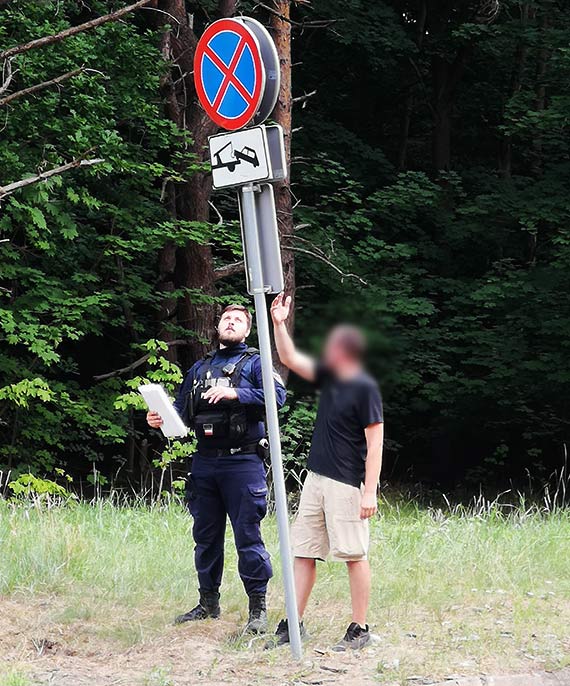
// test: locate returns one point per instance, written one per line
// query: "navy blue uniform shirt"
(249, 386)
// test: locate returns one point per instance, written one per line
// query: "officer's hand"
(216, 393)
(368, 505)
(154, 420)
(280, 308)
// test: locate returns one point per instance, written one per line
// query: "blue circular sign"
(229, 73)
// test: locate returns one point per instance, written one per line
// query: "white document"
(158, 401)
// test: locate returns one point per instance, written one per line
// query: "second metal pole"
(250, 232)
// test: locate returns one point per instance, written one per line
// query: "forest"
(428, 200)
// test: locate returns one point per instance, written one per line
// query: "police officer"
(222, 399)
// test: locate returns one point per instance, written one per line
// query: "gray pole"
(250, 232)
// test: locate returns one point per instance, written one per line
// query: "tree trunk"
(193, 268)
(540, 95)
(506, 152)
(409, 106)
(537, 165)
(442, 104)
(283, 115)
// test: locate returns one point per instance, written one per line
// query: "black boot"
(257, 621)
(209, 606)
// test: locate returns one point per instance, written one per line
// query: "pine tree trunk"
(283, 115)
(191, 267)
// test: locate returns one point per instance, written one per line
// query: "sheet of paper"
(158, 401)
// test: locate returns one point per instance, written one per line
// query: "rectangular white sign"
(239, 157)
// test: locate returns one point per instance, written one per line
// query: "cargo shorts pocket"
(349, 539)
(256, 502)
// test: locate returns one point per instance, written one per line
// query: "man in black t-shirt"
(340, 493)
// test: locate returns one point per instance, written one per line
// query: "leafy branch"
(137, 363)
(72, 31)
(43, 85)
(42, 176)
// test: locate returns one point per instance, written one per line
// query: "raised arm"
(298, 362)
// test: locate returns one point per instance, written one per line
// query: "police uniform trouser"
(233, 486)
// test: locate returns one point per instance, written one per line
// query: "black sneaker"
(281, 636)
(356, 637)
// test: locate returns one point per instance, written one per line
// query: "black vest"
(224, 424)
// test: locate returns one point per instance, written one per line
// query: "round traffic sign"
(229, 73)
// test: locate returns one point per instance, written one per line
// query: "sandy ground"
(73, 653)
(53, 647)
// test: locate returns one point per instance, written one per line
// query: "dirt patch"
(57, 643)
(77, 652)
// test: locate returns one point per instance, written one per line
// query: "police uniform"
(228, 477)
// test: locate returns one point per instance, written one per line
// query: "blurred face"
(233, 327)
(334, 353)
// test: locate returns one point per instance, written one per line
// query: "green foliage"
(297, 421)
(28, 487)
(466, 270)
(78, 268)
(460, 276)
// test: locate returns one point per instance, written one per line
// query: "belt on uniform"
(228, 452)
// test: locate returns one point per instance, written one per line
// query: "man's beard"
(230, 338)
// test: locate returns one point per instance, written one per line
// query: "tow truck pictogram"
(234, 157)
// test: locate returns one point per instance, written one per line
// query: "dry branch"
(304, 97)
(72, 31)
(319, 254)
(312, 24)
(12, 187)
(136, 363)
(40, 86)
(7, 75)
(228, 270)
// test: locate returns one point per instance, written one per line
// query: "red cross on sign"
(229, 73)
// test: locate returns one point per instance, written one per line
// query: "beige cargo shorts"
(328, 523)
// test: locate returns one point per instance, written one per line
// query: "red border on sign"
(247, 39)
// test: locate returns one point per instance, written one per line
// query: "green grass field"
(455, 592)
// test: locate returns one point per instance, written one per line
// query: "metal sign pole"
(250, 232)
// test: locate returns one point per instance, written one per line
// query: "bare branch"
(12, 187)
(305, 96)
(320, 255)
(155, 9)
(313, 24)
(217, 211)
(136, 363)
(322, 258)
(7, 75)
(72, 31)
(44, 84)
(228, 270)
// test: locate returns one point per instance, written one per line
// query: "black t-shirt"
(346, 408)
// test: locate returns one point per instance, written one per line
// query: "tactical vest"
(223, 424)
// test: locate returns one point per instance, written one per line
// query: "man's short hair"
(239, 308)
(352, 340)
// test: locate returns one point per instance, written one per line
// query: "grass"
(455, 591)
(12, 677)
